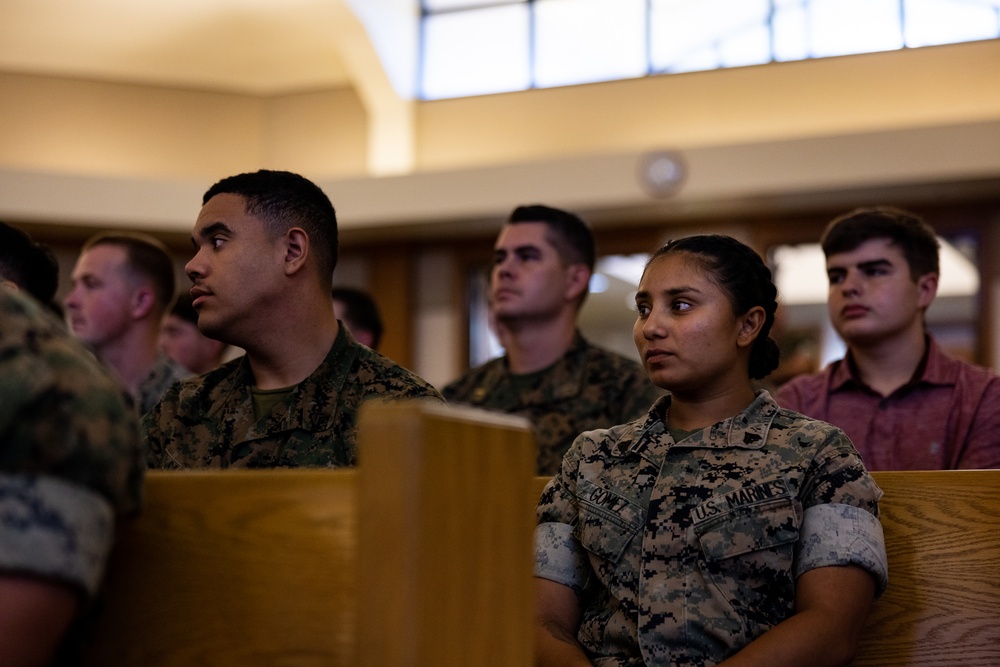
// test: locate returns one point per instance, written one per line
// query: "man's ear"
(927, 286)
(750, 324)
(577, 280)
(143, 301)
(296, 250)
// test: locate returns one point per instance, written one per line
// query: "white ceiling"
(249, 46)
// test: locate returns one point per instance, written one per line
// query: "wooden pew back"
(422, 556)
(430, 538)
(235, 568)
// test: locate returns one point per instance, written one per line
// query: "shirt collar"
(935, 368)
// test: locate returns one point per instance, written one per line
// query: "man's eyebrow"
(208, 230)
(875, 263)
(870, 264)
(526, 247)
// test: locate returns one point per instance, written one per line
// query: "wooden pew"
(421, 556)
(942, 607)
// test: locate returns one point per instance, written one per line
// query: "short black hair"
(570, 235)
(361, 311)
(147, 257)
(284, 200)
(907, 230)
(29, 265)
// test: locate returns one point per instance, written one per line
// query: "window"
(476, 47)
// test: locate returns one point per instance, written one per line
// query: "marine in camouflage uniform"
(588, 388)
(71, 463)
(162, 376)
(684, 552)
(208, 421)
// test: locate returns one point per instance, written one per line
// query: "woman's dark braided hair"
(742, 275)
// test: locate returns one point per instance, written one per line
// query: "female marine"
(719, 529)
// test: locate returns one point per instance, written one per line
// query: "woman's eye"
(643, 309)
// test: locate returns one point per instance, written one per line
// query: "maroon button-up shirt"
(946, 417)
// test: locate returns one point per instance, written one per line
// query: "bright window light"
(689, 36)
(451, 5)
(842, 27)
(476, 47)
(476, 52)
(930, 22)
(791, 38)
(578, 41)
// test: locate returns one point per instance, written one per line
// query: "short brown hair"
(147, 257)
(914, 237)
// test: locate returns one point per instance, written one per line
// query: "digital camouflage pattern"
(208, 421)
(71, 462)
(162, 376)
(684, 552)
(588, 388)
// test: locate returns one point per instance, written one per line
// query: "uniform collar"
(746, 430)
(564, 379)
(297, 411)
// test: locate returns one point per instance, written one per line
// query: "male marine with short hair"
(122, 284)
(542, 263)
(265, 250)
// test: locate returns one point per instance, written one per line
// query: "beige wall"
(896, 90)
(102, 129)
(116, 130)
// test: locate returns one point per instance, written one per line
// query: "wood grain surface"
(446, 524)
(235, 568)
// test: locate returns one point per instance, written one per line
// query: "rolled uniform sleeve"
(840, 525)
(836, 534)
(559, 556)
(56, 529)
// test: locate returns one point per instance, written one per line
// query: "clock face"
(661, 173)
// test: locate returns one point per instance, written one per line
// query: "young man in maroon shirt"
(904, 403)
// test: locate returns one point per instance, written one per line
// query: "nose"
(851, 285)
(652, 327)
(195, 268)
(504, 268)
(71, 300)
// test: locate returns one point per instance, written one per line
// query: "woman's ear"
(750, 323)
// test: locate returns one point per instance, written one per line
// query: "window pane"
(945, 21)
(475, 53)
(589, 40)
(842, 27)
(440, 5)
(790, 42)
(688, 36)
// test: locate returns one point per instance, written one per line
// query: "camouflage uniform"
(208, 421)
(684, 552)
(162, 376)
(588, 388)
(71, 463)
